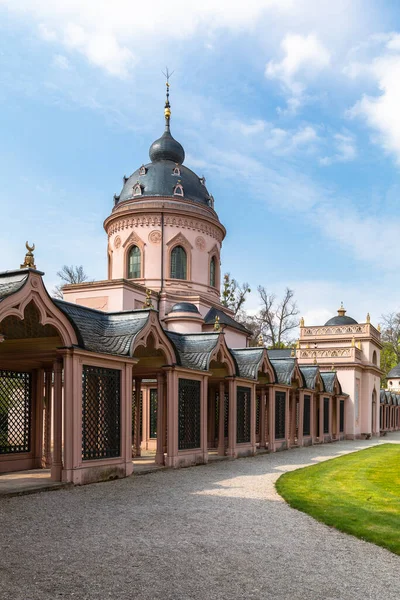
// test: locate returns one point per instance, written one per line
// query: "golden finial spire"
(148, 303)
(29, 261)
(217, 326)
(302, 322)
(298, 344)
(292, 353)
(167, 109)
(379, 328)
(260, 340)
(368, 318)
(341, 310)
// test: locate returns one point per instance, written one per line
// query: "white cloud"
(381, 111)
(345, 147)
(46, 34)
(304, 57)
(61, 62)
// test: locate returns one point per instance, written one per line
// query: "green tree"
(234, 294)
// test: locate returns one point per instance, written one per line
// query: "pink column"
(253, 418)
(172, 419)
(321, 418)
(312, 418)
(232, 419)
(287, 418)
(126, 411)
(137, 442)
(301, 419)
(38, 386)
(48, 391)
(221, 424)
(271, 419)
(330, 417)
(262, 417)
(160, 419)
(56, 467)
(144, 442)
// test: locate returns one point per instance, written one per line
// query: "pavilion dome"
(165, 175)
(341, 318)
(395, 372)
(184, 307)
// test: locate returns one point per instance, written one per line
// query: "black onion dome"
(158, 179)
(341, 319)
(184, 307)
(167, 148)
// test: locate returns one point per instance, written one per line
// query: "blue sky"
(289, 108)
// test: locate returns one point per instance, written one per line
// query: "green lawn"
(358, 493)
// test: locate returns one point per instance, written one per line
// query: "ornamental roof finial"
(368, 318)
(148, 303)
(341, 310)
(29, 262)
(302, 322)
(167, 109)
(260, 340)
(217, 326)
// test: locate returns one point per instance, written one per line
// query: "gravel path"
(212, 532)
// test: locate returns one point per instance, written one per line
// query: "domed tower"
(163, 232)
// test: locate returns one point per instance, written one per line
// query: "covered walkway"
(216, 531)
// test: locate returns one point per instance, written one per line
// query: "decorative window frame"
(134, 240)
(214, 253)
(180, 240)
(178, 189)
(176, 170)
(202, 181)
(137, 190)
(142, 170)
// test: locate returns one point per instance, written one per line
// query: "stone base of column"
(56, 472)
(160, 458)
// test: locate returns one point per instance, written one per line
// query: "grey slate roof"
(12, 281)
(283, 369)
(280, 353)
(338, 320)
(224, 319)
(395, 372)
(382, 396)
(193, 350)
(248, 361)
(310, 375)
(184, 307)
(329, 378)
(108, 333)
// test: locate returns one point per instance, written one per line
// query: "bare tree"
(234, 294)
(68, 275)
(277, 320)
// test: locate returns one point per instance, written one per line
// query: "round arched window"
(178, 263)
(213, 271)
(134, 263)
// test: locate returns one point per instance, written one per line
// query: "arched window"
(142, 170)
(213, 271)
(137, 190)
(374, 358)
(178, 190)
(176, 171)
(178, 263)
(134, 260)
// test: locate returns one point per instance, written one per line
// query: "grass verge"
(358, 493)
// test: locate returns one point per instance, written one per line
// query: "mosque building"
(150, 360)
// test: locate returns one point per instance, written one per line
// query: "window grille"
(280, 415)
(134, 415)
(101, 412)
(307, 416)
(134, 260)
(153, 414)
(189, 414)
(15, 412)
(341, 416)
(226, 411)
(178, 263)
(213, 272)
(326, 415)
(243, 423)
(258, 409)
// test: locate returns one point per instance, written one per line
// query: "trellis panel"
(15, 412)
(280, 415)
(243, 421)
(307, 415)
(189, 411)
(326, 415)
(101, 413)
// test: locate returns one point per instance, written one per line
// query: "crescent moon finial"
(30, 248)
